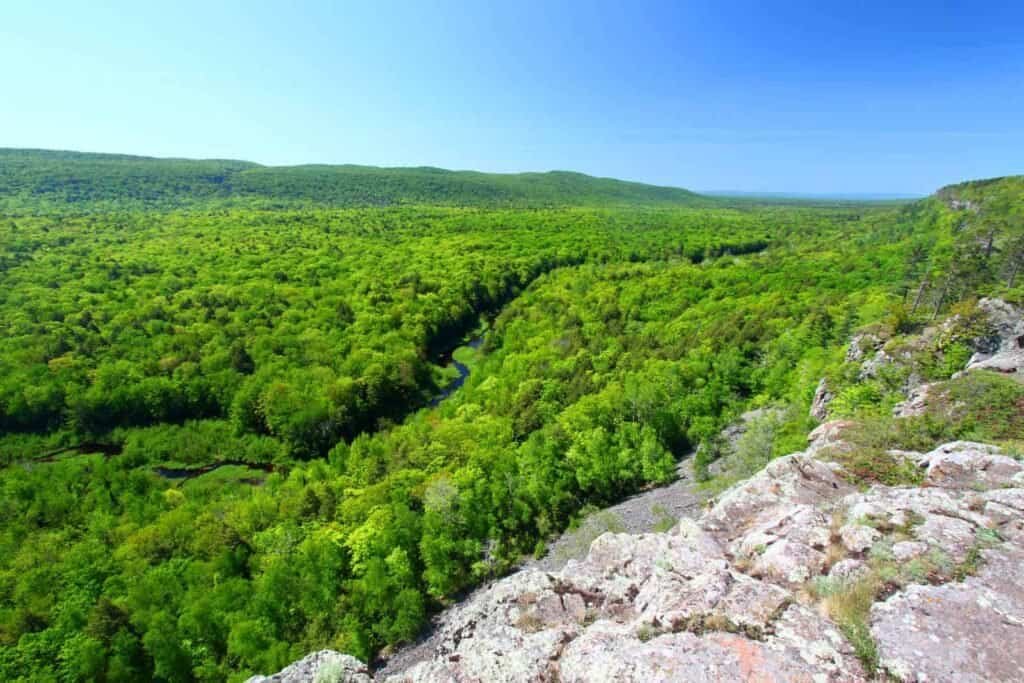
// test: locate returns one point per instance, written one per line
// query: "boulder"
(327, 666)
(611, 653)
(905, 551)
(651, 607)
(954, 537)
(789, 563)
(970, 465)
(512, 631)
(1004, 351)
(858, 538)
(829, 436)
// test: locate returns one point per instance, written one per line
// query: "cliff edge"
(807, 571)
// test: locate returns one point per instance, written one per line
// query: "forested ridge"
(175, 321)
(31, 180)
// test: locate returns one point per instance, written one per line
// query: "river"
(448, 360)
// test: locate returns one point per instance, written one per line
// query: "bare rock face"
(867, 349)
(861, 345)
(718, 599)
(858, 538)
(513, 631)
(965, 464)
(1005, 352)
(325, 666)
(971, 631)
(944, 521)
(822, 397)
(908, 550)
(829, 436)
(769, 496)
(672, 606)
(916, 403)
(872, 367)
(778, 519)
(653, 607)
(608, 652)
(962, 205)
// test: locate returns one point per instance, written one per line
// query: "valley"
(290, 409)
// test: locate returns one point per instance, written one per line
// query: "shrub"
(875, 466)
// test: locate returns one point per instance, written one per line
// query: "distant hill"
(815, 196)
(998, 199)
(74, 177)
(39, 177)
(985, 190)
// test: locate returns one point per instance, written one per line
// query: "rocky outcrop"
(744, 591)
(862, 345)
(969, 465)
(916, 403)
(822, 397)
(829, 437)
(868, 350)
(325, 666)
(1004, 351)
(725, 597)
(962, 204)
(653, 607)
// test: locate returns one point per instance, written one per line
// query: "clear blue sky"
(803, 96)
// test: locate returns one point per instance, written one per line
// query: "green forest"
(228, 434)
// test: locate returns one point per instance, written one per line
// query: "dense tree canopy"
(307, 340)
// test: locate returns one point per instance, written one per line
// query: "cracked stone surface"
(971, 631)
(654, 606)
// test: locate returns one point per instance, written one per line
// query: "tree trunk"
(920, 293)
(988, 243)
(942, 300)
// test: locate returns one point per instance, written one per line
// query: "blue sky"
(791, 96)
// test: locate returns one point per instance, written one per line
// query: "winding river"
(449, 361)
(193, 472)
(446, 360)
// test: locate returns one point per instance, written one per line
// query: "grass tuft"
(848, 603)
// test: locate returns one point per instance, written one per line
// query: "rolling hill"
(75, 178)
